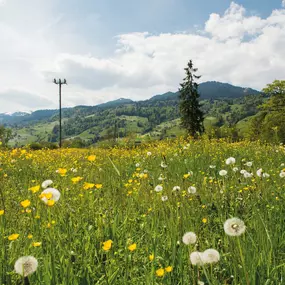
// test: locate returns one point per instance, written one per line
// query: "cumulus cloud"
(233, 47)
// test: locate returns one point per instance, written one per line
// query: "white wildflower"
(230, 160)
(234, 227)
(176, 188)
(212, 166)
(161, 177)
(164, 198)
(210, 256)
(158, 188)
(26, 265)
(46, 183)
(223, 172)
(249, 164)
(282, 174)
(259, 172)
(192, 190)
(196, 258)
(163, 164)
(243, 171)
(235, 169)
(247, 175)
(265, 175)
(148, 153)
(189, 238)
(137, 165)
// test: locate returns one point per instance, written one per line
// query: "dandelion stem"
(243, 262)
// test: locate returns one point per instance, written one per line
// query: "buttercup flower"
(50, 194)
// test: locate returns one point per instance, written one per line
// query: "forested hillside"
(224, 106)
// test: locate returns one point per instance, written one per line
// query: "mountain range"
(222, 104)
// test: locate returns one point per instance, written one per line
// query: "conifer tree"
(191, 114)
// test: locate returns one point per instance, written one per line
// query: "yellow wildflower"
(2, 212)
(13, 237)
(168, 269)
(160, 272)
(107, 245)
(204, 220)
(62, 171)
(98, 186)
(25, 203)
(132, 247)
(50, 203)
(35, 188)
(151, 257)
(91, 157)
(88, 186)
(36, 244)
(30, 236)
(76, 179)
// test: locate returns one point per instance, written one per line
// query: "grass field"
(122, 213)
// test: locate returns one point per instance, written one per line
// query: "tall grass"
(127, 210)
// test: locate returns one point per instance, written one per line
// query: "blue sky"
(133, 48)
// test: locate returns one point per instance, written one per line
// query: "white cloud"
(283, 3)
(233, 47)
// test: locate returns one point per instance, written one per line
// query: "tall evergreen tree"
(191, 114)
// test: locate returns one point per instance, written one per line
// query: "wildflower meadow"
(170, 212)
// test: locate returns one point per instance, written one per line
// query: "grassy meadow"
(122, 214)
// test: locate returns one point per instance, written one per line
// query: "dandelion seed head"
(192, 190)
(223, 172)
(196, 258)
(26, 265)
(46, 183)
(189, 238)
(234, 227)
(230, 160)
(211, 256)
(164, 198)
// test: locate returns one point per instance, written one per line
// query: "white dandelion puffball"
(265, 175)
(137, 165)
(235, 169)
(176, 188)
(192, 190)
(201, 282)
(26, 265)
(161, 177)
(234, 227)
(223, 172)
(148, 153)
(230, 160)
(164, 198)
(243, 171)
(189, 238)
(259, 172)
(249, 164)
(158, 188)
(46, 183)
(211, 256)
(54, 192)
(282, 174)
(212, 166)
(247, 175)
(196, 258)
(163, 164)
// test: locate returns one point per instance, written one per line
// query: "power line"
(59, 82)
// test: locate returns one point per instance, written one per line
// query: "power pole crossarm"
(59, 83)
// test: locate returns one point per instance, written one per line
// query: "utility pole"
(59, 82)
